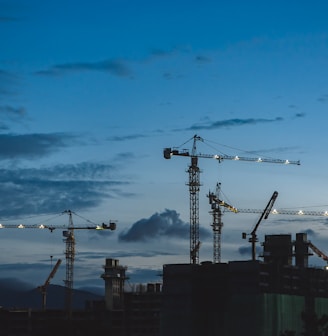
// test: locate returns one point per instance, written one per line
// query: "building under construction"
(278, 296)
(270, 298)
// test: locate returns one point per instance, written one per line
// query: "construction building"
(252, 298)
(277, 296)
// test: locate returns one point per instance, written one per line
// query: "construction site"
(273, 293)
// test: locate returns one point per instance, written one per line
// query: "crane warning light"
(21, 226)
(300, 213)
(42, 226)
(259, 160)
(274, 211)
(1, 226)
(236, 158)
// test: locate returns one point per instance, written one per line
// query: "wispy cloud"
(10, 114)
(201, 59)
(247, 250)
(114, 67)
(7, 81)
(299, 115)
(49, 190)
(11, 111)
(232, 123)
(127, 137)
(7, 19)
(31, 146)
(323, 98)
(165, 224)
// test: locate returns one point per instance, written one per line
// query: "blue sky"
(91, 93)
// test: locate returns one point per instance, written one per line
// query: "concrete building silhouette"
(252, 298)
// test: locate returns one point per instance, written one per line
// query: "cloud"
(50, 190)
(142, 275)
(299, 115)
(125, 254)
(247, 250)
(127, 137)
(11, 114)
(232, 123)
(31, 146)
(113, 67)
(202, 59)
(7, 19)
(323, 98)
(10, 111)
(7, 80)
(165, 224)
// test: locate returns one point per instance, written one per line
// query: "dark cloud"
(127, 137)
(247, 250)
(299, 115)
(7, 81)
(10, 114)
(232, 123)
(31, 146)
(142, 275)
(7, 19)
(125, 254)
(114, 67)
(165, 224)
(51, 190)
(156, 53)
(323, 98)
(202, 59)
(11, 111)
(310, 232)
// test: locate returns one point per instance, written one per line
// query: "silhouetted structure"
(245, 297)
(236, 298)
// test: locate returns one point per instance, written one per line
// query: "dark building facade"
(245, 297)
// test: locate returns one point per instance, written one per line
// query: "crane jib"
(169, 152)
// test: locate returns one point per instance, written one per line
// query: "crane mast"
(69, 240)
(43, 288)
(265, 214)
(194, 185)
(70, 257)
(217, 223)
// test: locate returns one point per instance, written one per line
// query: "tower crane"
(69, 240)
(265, 214)
(43, 288)
(217, 224)
(194, 184)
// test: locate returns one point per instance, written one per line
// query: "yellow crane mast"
(194, 184)
(217, 223)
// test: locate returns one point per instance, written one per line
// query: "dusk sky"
(91, 92)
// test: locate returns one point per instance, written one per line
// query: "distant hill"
(22, 298)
